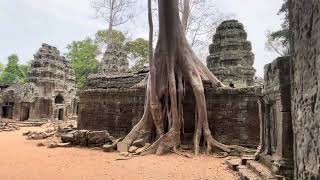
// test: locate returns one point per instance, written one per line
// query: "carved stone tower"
(231, 58)
(114, 60)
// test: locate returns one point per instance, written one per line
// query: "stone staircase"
(249, 169)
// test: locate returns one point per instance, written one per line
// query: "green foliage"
(280, 39)
(25, 68)
(101, 37)
(138, 51)
(1, 68)
(82, 55)
(13, 73)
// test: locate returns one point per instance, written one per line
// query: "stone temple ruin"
(231, 58)
(115, 102)
(114, 60)
(50, 92)
(280, 119)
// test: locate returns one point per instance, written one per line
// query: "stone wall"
(232, 113)
(305, 26)
(276, 148)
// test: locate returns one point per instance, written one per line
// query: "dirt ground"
(21, 159)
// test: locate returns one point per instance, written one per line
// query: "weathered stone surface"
(233, 163)
(132, 149)
(69, 137)
(276, 148)
(233, 114)
(68, 144)
(98, 137)
(52, 145)
(139, 143)
(231, 58)
(305, 21)
(140, 150)
(87, 138)
(81, 138)
(49, 93)
(114, 60)
(40, 144)
(108, 148)
(122, 147)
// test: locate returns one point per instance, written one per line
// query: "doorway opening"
(60, 114)
(7, 110)
(24, 111)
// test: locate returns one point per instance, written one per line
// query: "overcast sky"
(25, 24)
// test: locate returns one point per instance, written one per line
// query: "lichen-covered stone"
(276, 123)
(232, 113)
(305, 26)
(114, 60)
(231, 58)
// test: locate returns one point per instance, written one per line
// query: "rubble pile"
(8, 127)
(88, 138)
(38, 135)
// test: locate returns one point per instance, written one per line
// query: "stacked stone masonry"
(305, 26)
(48, 94)
(276, 149)
(232, 113)
(114, 60)
(231, 58)
(114, 98)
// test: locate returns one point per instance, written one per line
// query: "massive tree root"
(173, 66)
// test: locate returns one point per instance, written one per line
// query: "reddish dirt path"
(21, 159)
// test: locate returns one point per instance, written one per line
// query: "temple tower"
(231, 58)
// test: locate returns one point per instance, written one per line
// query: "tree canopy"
(82, 55)
(138, 51)
(101, 37)
(278, 41)
(13, 72)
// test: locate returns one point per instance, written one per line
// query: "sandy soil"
(21, 159)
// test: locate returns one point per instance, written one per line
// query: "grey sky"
(25, 24)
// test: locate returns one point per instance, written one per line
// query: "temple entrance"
(7, 110)
(60, 114)
(45, 106)
(24, 111)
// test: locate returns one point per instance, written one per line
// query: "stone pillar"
(277, 141)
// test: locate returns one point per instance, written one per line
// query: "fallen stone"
(125, 154)
(65, 130)
(69, 137)
(68, 144)
(81, 138)
(133, 149)
(40, 144)
(107, 148)
(186, 146)
(52, 145)
(122, 147)
(140, 150)
(36, 136)
(138, 143)
(98, 137)
(233, 163)
(26, 133)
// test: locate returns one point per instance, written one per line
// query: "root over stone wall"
(232, 113)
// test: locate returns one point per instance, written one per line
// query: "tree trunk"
(174, 64)
(150, 31)
(109, 36)
(185, 15)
